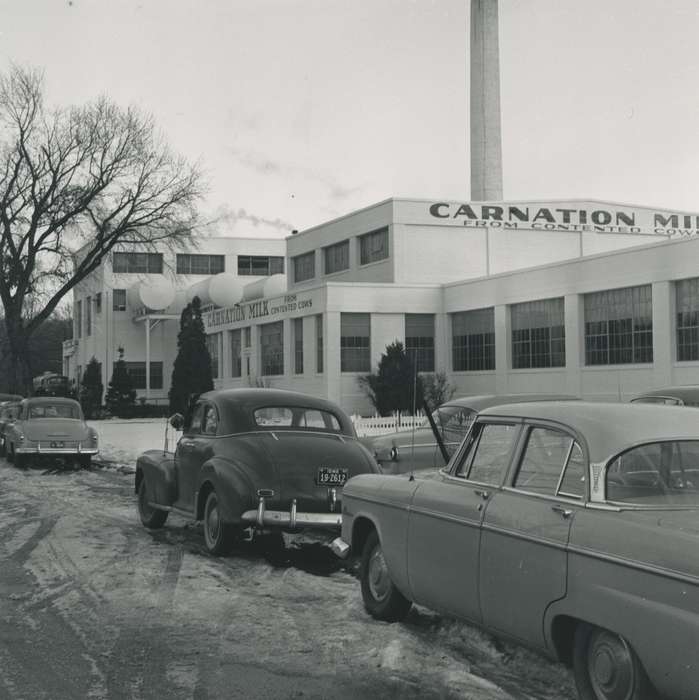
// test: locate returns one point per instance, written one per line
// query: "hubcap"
(213, 522)
(378, 579)
(610, 666)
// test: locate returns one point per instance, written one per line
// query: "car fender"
(234, 487)
(158, 469)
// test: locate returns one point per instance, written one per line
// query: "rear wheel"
(11, 453)
(20, 460)
(607, 668)
(382, 599)
(151, 517)
(219, 536)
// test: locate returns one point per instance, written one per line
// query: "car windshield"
(296, 418)
(54, 410)
(659, 473)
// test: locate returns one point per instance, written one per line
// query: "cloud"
(260, 163)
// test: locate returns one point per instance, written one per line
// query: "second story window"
(336, 257)
(200, 264)
(78, 319)
(373, 246)
(305, 266)
(138, 263)
(261, 265)
(88, 316)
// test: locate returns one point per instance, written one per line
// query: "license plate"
(57, 443)
(332, 476)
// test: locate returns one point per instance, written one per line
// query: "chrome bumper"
(291, 518)
(38, 450)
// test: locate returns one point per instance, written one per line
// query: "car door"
(188, 456)
(523, 555)
(445, 521)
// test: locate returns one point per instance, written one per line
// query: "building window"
(262, 265)
(88, 316)
(200, 264)
(236, 356)
(419, 340)
(272, 348)
(138, 263)
(78, 319)
(137, 373)
(373, 246)
(319, 344)
(298, 345)
(538, 334)
(213, 343)
(473, 340)
(247, 333)
(355, 337)
(619, 326)
(305, 266)
(687, 315)
(98, 303)
(119, 300)
(336, 257)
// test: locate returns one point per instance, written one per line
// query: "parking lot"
(94, 605)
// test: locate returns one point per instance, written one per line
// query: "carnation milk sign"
(597, 217)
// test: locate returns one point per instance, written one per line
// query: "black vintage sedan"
(253, 460)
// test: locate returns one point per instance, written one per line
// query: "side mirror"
(177, 421)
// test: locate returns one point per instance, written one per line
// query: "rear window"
(659, 473)
(296, 418)
(48, 410)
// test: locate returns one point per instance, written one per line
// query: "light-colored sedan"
(569, 526)
(50, 426)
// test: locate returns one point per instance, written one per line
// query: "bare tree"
(73, 184)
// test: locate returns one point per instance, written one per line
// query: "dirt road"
(92, 605)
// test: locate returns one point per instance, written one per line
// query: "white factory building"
(591, 298)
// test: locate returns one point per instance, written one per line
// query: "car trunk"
(312, 465)
(55, 429)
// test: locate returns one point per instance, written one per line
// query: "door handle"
(565, 512)
(483, 494)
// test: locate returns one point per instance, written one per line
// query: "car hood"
(299, 457)
(54, 429)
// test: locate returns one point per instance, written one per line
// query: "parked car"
(50, 427)
(569, 526)
(407, 450)
(670, 396)
(8, 413)
(253, 459)
(10, 397)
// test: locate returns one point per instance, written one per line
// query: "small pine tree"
(391, 388)
(437, 389)
(120, 393)
(191, 373)
(91, 389)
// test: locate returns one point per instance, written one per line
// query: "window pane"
(373, 246)
(687, 319)
(298, 345)
(355, 342)
(304, 266)
(473, 340)
(213, 342)
(619, 326)
(543, 461)
(236, 356)
(119, 300)
(573, 483)
(419, 340)
(271, 348)
(319, 344)
(491, 455)
(336, 257)
(538, 334)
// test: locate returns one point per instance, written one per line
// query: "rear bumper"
(291, 519)
(38, 450)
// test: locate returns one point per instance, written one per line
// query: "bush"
(143, 410)
(436, 389)
(91, 389)
(120, 394)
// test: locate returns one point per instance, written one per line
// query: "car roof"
(50, 399)
(609, 428)
(481, 402)
(686, 393)
(238, 405)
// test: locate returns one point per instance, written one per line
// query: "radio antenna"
(412, 441)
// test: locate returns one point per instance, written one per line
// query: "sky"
(300, 111)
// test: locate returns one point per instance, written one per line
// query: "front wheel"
(607, 668)
(382, 599)
(152, 518)
(219, 536)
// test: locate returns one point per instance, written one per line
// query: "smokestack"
(486, 146)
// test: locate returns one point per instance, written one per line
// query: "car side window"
(210, 424)
(545, 456)
(487, 459)
(573, 481)
(197, 417)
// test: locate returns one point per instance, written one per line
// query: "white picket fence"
(381, 425)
